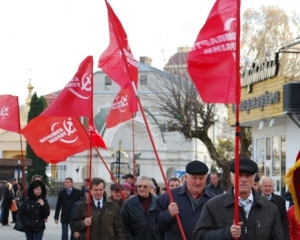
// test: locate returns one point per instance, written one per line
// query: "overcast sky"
(45, 41)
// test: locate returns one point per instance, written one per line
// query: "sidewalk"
(52, 231)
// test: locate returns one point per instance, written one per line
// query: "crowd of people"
(194, 207)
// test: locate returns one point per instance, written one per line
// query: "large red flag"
(76, 98)
(117, 60)
(96, 138)
(9, 113)
(55, 138)
(120, 110)
(211, 62)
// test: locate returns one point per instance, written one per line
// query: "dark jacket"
(217, 217)
(106, 225)
(65, 203)
(215, 190)
(160, 218)
(31, 213)
(8, 196)
(280, 203)
(135, 221)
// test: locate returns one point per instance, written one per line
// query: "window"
(107, 81)
(143, 79)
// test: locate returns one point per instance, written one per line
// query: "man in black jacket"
(215, 184)
(65, 201)
(267, 191)
(135, 210)
(258, 217)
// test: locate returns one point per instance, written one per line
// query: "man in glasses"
(135, 210)
(189, 200)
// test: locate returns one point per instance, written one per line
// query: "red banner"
(55, 138)
(9, 113)
(76, 98)
(120, 110)
(211, 62)
(117, 60)
(96, 138)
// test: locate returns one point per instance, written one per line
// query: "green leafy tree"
(37, 105)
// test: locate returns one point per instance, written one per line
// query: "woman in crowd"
(19, 194)
(33, 210)
(8, 196)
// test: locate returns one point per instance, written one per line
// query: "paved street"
(52, 231)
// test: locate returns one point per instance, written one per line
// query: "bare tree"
(181, 105)
(264, 33)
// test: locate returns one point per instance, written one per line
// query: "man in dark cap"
(115, 194)
(258, 217)
(189, 200)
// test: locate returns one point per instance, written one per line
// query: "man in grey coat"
(258, 217)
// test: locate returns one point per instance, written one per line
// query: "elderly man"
(134, 212)
(215, 185)
(267, 191)
(189, 200)
(105, 221)
(258, 217)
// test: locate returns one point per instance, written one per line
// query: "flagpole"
(22, 154)
(145, 120)
(237, 115)
(161, 168)
(90, 152)
(133, 156)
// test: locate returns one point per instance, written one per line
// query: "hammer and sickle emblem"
(4, 111)
(227, 26)
(123, 103)
(86, 82)
(70, 129)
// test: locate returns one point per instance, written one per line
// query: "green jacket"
(106, 225)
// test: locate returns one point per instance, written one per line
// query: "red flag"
(55, 138)
(9, 113)
(211, 62)
(76, 98)
(120, 110)
(96, 138)
(117, 60)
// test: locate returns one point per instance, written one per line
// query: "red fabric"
(96, 138)
(76, 98)
(55, 138)
(120, 110)
(119, 69)
(211, 61)
(294, 226)
(9, 113)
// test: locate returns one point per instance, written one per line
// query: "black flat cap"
(13, 179)
(257, 178)
(246, 166)
(129, 175)
(196, 167)
(114, 187)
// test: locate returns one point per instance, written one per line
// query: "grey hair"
(146, 178)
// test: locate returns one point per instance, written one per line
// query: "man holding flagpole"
(258, 217)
